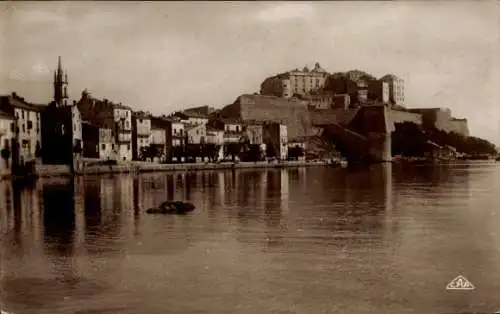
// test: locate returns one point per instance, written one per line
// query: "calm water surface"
(318, 240)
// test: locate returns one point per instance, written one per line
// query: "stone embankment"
(143, 167)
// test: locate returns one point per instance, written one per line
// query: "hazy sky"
(164, 56)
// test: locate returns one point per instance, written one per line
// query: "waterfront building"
(396, 89)
(98, 142)
(275, 135)
(216, 137)
(158, 138)
(295, 82)
(175, 139)
(107, 114)
(141, 133)
(254, 133)
(27, 136)
(6, 138)
(196, 133)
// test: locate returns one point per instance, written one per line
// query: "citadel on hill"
(292, 109)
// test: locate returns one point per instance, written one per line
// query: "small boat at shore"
(172, 207)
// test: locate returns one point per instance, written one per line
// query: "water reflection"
(58, 217)
(336, 232)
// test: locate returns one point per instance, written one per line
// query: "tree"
(408, 139)
(5, 153)
(38, 150)
(211, 151)
(233, 149)
(253, 153)
(150, 152)
(270, 150)
(295, 152)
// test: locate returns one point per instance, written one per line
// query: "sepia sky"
(164, 56)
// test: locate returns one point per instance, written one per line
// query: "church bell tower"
(60, 85)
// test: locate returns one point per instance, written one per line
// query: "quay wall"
(44, 171)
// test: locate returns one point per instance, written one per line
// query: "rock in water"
(169, 207)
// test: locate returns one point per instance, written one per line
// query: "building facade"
(379, 91)
(6, 137)
(396, 89)
(295, 82)
(196, 134)
(108, 115)
(216, 137)
(141, 133)
(276, 136)
(27, 138)
(254, 133)
(355, 86)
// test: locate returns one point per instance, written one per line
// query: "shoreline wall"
(45, 171)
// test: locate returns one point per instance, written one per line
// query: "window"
(74, 127)
(22, 113)
(237, 128)
(12, 128)
(128, 146)
(24, 128)
(113, 146)
(103, 146)
(6, 143)
(30, 125)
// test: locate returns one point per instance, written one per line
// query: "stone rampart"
(400, 116)
(292, 112)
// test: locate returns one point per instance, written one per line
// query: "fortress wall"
(291, 112)
(337, 115)
(460, 126)
(399, 116)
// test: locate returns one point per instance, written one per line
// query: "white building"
(141, 133)
(216, 137)
(27, 129)
(123, 118)
(6, 137)
(396, 89)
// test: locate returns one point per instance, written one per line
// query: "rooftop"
(18, 102)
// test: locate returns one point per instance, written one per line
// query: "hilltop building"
(295, 82)
(396, 89)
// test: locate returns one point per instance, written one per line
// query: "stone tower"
(60, 85)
